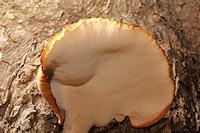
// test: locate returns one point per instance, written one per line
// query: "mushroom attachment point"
(97, 70)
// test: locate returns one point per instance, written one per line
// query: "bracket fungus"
(96, 70)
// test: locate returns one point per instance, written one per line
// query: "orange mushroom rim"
(72, 27)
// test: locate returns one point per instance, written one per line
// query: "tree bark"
(27, 26)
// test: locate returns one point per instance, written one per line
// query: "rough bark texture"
(26, 26)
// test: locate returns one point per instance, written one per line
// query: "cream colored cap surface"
(99, 70)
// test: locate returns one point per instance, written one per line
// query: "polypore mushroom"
(98, 70)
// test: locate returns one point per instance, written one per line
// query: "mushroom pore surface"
(99, 70)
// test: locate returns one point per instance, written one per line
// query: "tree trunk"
(27, 26)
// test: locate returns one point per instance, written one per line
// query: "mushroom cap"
(100, 69)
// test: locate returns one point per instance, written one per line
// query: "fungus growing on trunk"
(96, 70)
